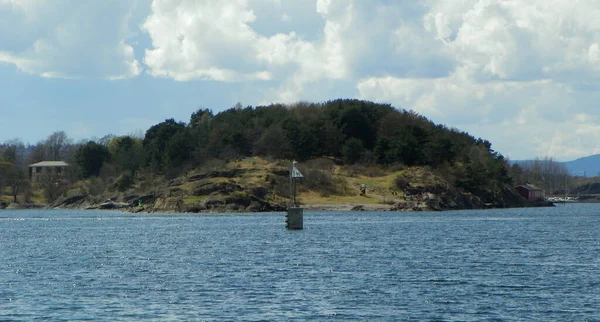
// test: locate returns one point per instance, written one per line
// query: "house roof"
(530, 187)
(49, 164)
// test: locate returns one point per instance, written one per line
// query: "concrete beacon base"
(294, 219)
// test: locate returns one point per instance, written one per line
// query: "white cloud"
(323, 6)
(518, 39)
(523, 74)
(216, 41)
(199, 39)
(68, 39)
(594, 55)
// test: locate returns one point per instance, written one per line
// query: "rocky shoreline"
(152, 204)
(264, 188)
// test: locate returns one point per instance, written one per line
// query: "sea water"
(538, 264)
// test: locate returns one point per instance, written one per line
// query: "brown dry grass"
(192, 200)
(315, 198)
(381, 188)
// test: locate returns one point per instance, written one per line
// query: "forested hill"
(352, 130)
(345, 130)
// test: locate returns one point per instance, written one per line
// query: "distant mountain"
(583, 167)
(587, 166)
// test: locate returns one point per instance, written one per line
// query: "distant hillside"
(583, 167)
(587, 166)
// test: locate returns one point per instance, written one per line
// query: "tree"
(353, 150)
(201, 118)
(52, 185)
(231, 133)
(178, 150)
(10, 154)
(37, 153)
(275, 143)
(16, 181)
(382, 151)
(90, 159)
(329, 138)
(302, 140)
(126, 153)
(546, 173)
(156, 140)
(11, 168)
(56, 146)
(105, 140)
(200, 127)
(438, 149)
(407, 146)
(4, 169)
(14, 152)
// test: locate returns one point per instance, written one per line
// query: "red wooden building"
(529, 192)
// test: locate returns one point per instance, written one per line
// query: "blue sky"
(522, 74)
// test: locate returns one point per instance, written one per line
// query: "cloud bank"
(523, 74)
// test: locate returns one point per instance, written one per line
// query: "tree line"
(351, 131)
(546, 173)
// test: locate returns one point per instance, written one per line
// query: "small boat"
(562, 200)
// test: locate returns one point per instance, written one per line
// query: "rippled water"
(517, 264)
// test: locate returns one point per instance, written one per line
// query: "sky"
(523, 74)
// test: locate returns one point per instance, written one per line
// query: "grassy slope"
(271, 176)
(380, 183)
(259, 172)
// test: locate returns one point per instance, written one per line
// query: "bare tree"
(57, 145)
(52, 184)
(4, 169)
(16, 181)
(547, 173)
(37, 153)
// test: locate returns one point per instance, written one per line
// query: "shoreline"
(342, 207)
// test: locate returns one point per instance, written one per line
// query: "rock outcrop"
(70, 202)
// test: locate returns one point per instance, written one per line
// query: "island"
(354, 155)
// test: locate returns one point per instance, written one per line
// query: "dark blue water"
(518, 264)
